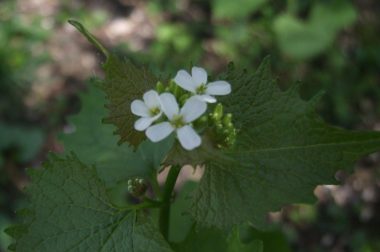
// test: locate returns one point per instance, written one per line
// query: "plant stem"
(164, 220)
(155, 186)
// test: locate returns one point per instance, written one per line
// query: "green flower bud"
(227, 120)
(219, 127)
(130, 188)
(218, 112)
(183, 99)
(160, 88)
(172, 86)
(203, 119)
(137, 187)
(224, 128)
(176, 91)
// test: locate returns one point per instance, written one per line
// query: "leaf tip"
(91, 38)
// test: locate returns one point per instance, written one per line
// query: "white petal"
(193, 109)
(169, 105)
(206, 98)
(188, 138)
(139, 108)
(143, 123)
(151, 99)
(185, 81)
(218, 88)
(199, 76)
(159, 131)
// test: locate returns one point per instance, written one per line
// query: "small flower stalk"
(180, 108)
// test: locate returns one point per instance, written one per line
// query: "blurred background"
(333, 45)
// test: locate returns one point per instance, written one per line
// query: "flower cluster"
(161, 112)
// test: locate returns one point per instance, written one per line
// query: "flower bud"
(137, 187)
(160, 88)
(176, 91)
(172, 86)
(183, 99)
(218, 112)
(227, 120)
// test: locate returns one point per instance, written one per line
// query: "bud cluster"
(224, 129)
(137, 187)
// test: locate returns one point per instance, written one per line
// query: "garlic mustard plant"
(196, 83)
(179, 120)
(149, 109)
(263, 148)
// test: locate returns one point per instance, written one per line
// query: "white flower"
(179, 121)
(196, 83)
(149, 110)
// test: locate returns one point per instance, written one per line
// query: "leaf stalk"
(164, 220)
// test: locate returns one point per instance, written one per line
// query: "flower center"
(154, 111)
(177, 121)
(201, 89)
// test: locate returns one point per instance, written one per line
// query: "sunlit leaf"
(283, 151)
(70, 211)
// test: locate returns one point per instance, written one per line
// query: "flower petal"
(199, 76)
(206, 98)
(188, 138)
(159, 131)
(152, 99)
(218, 88)
(169, 105)
(193, 109)
(143, 123)
(185, 81)
(139, 108)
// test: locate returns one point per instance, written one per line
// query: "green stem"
(155, 186)
(164, 220)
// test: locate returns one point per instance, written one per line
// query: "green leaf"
(273, 240)
(333, 15)
(298, 39)
(27, 141)
(70, 211)
(214, 240)
(153, 154)
(235, 9)
(5, 240)
(283, 151)
(236, 245)
(203, 240)
(305, 39)
(94, 143)
(124, 82)
(180, 218)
